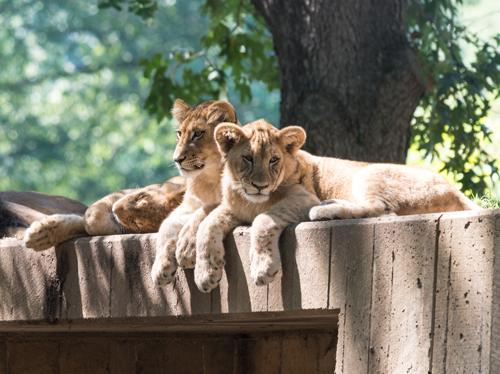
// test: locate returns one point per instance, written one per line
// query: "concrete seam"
(346, 280)
(393, 258)
(330, 244)
(371, 302)
(111, 270)
(448, 284)
(434, 289)
(494, 286)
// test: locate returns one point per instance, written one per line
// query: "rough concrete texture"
(412, 294)
(291, 353)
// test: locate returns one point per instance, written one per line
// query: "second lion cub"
(269, 181)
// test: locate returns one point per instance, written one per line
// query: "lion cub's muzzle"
(257, 191)
(187, 165)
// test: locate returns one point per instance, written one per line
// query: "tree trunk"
(348, 75)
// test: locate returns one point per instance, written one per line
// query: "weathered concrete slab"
(291, 353)
(29, 285)
(351, 271)
(464, 291)
(305, 255)
(403, 288)
(237, 293)
(495, 318)
(413, 294)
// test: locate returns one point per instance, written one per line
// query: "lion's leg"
(343, 209)
(99, 217)
(52, 230)
(265, 261)
(210, 247)
(185, 252)
(165, 264)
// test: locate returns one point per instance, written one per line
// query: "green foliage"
(71, 121)
(487, 201)
(143, 8)
(234, 53)
(74, 80)
(72, 93)
(450, 125)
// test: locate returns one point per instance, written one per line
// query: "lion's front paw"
(207, 274)
(334, 209)
(264, 267)
(38, 236)
(185, 252)
(52, 230)
(163, 271)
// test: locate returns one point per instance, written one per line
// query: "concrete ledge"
(412, 294)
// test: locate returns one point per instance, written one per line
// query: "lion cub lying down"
(139, 210)
(269, 182)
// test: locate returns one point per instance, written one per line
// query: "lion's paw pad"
(163, 272)
(264, 269)
(207, 276)
(39, 235)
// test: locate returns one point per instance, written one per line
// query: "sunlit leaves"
(459, 93)
(143, 8)
(236, 51)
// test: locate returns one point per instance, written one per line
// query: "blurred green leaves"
(71, 96)
(75, 78)
(462, 74)
(72, 93)
(448, 125)
(235, 52)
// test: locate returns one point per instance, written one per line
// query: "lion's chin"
(256, 198)
(190, 173)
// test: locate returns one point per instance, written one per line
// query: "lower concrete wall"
(415, 294)
(291, 353)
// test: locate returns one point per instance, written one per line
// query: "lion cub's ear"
(293, 138)
(221, 111)
(180, 110)
(227, 135)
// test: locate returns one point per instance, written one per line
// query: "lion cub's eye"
(198, 134)
(178, 134)
(274, 160)
(248, 159)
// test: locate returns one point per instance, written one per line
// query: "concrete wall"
(413, 294)
(294, 353)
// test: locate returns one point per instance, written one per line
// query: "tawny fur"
(199, 161)
(269, 182)
(137, 210)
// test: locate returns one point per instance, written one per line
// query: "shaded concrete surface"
(413, 294)
(285, 352)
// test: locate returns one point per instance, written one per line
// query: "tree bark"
(348, 75)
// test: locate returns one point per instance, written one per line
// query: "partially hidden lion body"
(269, 182)
(199, 161)
(138, 210)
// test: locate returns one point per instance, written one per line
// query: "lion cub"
(269, 181)
(139, 210)
(199, 161)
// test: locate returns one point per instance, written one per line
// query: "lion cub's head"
(144, 210)
(259, 156)
(196, 149)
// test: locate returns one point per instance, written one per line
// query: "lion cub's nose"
(259, 186)
(180, 159)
